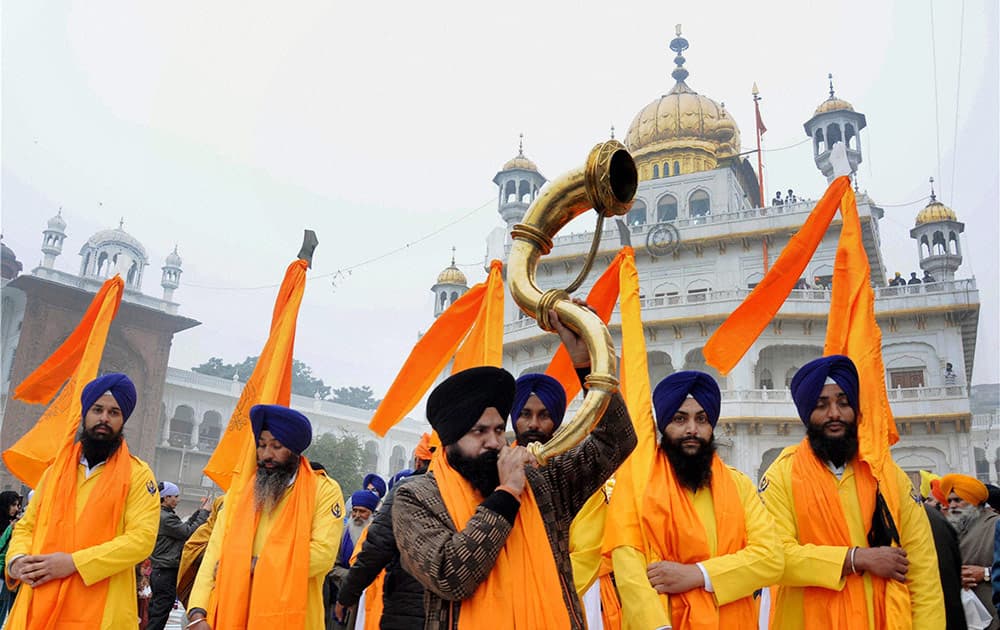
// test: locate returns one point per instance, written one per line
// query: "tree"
(360, 397)
(303, 381)
(342, 456)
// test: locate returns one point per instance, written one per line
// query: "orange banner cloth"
(271, 383)
(676, 533)
(519, 591)
(274, 598)
(437, 347)
(602, 298)
(820, 520)
(78, 360)
(59, 530)
(484, 345)
(740, 330)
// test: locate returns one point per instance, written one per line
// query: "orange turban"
(967, 488)
(424, 448)
(936, 491)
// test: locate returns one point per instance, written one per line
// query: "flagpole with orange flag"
(74, 363)
(475, 318)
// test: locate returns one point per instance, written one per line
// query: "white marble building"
(692, 179)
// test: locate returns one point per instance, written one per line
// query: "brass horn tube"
(606, 183)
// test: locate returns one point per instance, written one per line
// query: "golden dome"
(519, 161)
(452, 275)
(682, 126)
(833, 104)
(936, 211)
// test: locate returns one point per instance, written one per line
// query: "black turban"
(457, 403)
(288, 426)
(669, 395)
(807, 384)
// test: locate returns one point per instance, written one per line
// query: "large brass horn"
(606, 183)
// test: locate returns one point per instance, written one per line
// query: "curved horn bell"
(606, 183)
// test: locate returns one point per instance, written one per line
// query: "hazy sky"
(228, 127)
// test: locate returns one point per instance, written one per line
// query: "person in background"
(10, 509)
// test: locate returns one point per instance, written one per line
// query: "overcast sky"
(228, 127)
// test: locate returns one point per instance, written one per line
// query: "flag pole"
(760, 131)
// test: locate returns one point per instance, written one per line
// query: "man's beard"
(272, 482)
(961, 518)
(528, 436)
(479, 471)
(98, 447)
(836, 450)
(693, 471)
(356, 526)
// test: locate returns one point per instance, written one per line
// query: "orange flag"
(77, 360)
(484, 345)
(235, 458)
(740, 330)
(602, 298)
(623, 528)
(439, 344)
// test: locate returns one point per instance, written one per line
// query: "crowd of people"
(899, 281)
(477, 534)
(788, 199)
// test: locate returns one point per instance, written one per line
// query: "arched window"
(132, 276)
(925, 247)
(699, 204)
(397, 461)
(666, 208)
(637, 215)
(102, 264)
(952, 243)
(833, 134)
(656, 171)
(938, 245)
(766, 382)
(819, 144)
(444, 299)
(454, 296)
(371, 457)
(524, 192)
(677, 168)
(850, 138)
(510, 192)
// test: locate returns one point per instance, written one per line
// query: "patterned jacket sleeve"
(449, 563)
(577, 474)
(377, 551)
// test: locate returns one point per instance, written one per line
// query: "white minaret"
(171, 275)
(835, 121)
(519, 182)
(52, 239)
(451, 284)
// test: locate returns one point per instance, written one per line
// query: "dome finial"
(612, 132)
(452, 255)
(520, 144)
(679, 45)
(933, 197)
(830, 77)
(121, 223)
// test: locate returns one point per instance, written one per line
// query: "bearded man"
(709, 542)
(976, 525)
(843, 566)
(272, 545)
(94, 516)
(483, 519)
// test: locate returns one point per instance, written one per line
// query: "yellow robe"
(733, 576)
(327, 529)
(818, 565)
(114, 559)
(586, 534)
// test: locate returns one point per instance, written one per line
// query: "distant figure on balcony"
(790, 198)
(820, 283)
(777, 199)
(913, 278)
(950, 378)
(166, 558)
(802, 284)
(928, 278)
(897, 281)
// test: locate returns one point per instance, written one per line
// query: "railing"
(182, 439)
(985, 422)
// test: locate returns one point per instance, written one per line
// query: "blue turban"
(169, 490)
(548, 390)
(807, 384)
(288, 426)
(670, 394)
(118, 385)
(403, 474)
(365, 499)
(375, 480)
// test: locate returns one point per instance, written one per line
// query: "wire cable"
(937, 111)
(958, 92)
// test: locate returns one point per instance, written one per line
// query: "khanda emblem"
(150, 487)
(337, 511)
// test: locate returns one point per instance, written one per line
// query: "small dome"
(10, 266)
(173, 260)
(117, 236)
(452, 275)
(521, 162)
(833, 104)
(57, 223)
(936, 211)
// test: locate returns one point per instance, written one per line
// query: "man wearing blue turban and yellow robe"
(846, 556)
(94, 516)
